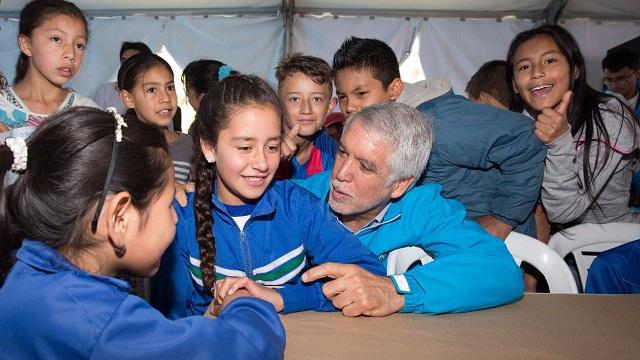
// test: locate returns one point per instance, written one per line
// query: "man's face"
(622, 81)
(358, 89)
(358, 180)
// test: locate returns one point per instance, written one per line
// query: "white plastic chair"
(586, 241)
(542, 257)
(401, 259)
(521, 247)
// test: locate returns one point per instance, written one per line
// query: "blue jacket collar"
(266, 204)
(44, 258)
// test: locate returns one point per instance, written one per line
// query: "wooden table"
(540, 326)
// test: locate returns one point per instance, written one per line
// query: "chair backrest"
(401, 259)
(542, 257)
(521, 247)
(586, 241)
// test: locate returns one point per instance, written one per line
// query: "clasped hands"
(353, 290)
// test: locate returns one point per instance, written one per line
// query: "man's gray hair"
(408, 134)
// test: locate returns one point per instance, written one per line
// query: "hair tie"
(119, 122)
(112, 166)
(223, 72)
(18, 147)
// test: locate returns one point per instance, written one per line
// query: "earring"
(120, 250)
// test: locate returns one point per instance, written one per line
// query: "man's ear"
(127, 99)
(332, 104)
(119, 211)
(208, 150)
(513, 84)
(401, 186)
(395, 88)
(24, 43)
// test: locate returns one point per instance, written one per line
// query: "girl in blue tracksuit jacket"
(93, 199)
(240, 227)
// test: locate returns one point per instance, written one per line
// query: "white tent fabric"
(443, 47)
(322, 36)
(454, 49)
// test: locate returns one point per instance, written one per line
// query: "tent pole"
(551, 13)
(287, 14)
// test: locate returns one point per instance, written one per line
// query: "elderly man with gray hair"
(383, 150)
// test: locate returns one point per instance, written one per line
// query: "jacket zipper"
(244, 245)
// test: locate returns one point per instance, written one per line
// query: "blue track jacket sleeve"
(248, 328)
(471, 270)
(326, 241)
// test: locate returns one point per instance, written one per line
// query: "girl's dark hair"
(586, 103)
(135, 67)
(37, 12)
(54, 199)
(225, 98)
(201, 74)
(139, 46)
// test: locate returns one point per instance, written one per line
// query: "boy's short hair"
(491, 78)
(370, 54)
(620, 58)
(313, 67)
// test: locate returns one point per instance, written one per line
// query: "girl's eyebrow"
(156, 83)
(543, 54)
(248, 138)
(56, 29)
(243, 138)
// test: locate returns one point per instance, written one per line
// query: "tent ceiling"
(597, 9)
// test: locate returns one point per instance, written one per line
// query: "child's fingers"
(563, 106)
(288, 144)
(294, 131)
(550, 124)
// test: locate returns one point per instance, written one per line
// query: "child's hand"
(553, 122)
(181, 192)
(216, 308)
(230, 285)
(288, 145)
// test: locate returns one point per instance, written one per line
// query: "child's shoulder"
(621, 126)
(76, 99)
(293, 194)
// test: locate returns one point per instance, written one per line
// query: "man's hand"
(288, 146)
(552, 122)
(356, 291)
(494, 226)
(230, 285)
